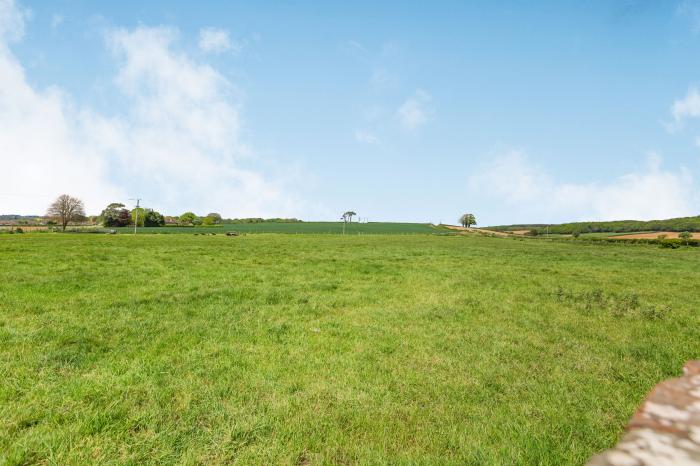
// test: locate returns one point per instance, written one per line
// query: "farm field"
(297, 228)
(653, 235)
(318, 349)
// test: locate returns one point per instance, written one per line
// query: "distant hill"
(18, 217)
(615, 226)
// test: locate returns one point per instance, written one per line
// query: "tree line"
(616, 226)
(67, 209)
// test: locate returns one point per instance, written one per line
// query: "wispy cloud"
(56, 20)
(366, 137)
(415, 111)
(690, 9)
(355, 50)
(382, 79)
(215, 40)
(648, 193)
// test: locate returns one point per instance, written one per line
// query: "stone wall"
(665, 430)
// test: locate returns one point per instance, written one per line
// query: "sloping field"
(476, 230)
(321, 349)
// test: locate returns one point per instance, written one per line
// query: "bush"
(669, 243)
(153, 219)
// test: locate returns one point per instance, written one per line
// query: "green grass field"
(322, 349)
(372, 228)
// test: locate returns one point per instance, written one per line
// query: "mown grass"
(371, 228)
(316, 349)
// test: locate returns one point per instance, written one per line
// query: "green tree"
(138, 216)
(115, 215)
(685, 236)
(153, 219)
(347, 216)
(188, 218)
(212, 219)
(467, 220)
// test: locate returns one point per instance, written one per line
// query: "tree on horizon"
(66, 209)
(467, 220)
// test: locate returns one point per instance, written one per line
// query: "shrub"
(685, 236)
(655, 313)
(153, 219)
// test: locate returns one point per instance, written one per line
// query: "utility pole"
(136, 221)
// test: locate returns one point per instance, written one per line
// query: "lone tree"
(66, 209)
(347, 217)
(467, 220)
(685, 236)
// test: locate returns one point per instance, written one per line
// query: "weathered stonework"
(665, 430)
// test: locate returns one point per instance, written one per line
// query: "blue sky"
(402, 111)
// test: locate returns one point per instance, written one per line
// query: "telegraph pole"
(136, 221)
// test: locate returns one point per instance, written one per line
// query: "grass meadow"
(324, 349)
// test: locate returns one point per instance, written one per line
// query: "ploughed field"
(654, 235)
(313, 349)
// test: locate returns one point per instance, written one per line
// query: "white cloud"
(687, 107)
(43, 151)
(354, 49)
(366, 137)
(415, 111)
(215, 40)
(178, 145)
(12, 20)
(56, 20)
(649, 193)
